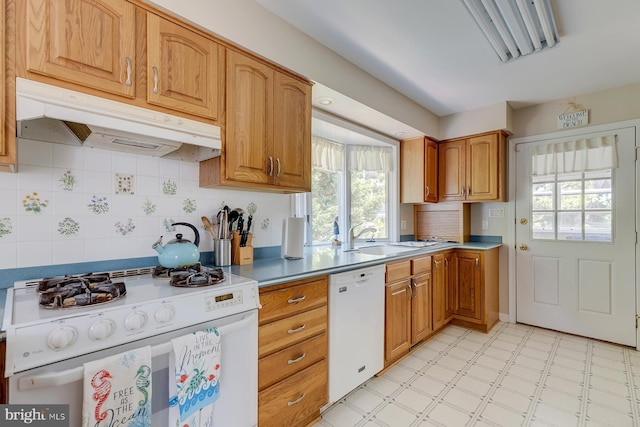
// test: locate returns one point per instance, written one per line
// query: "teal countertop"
(331, 259)
(317, 261)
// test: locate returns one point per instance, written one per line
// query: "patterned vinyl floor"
(516, 375)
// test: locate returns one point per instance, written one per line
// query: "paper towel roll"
(292, 238)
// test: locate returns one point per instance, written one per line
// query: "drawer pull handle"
(296, 401)
(293, 331)
(399, 292)
(296, 300)
(292, 361)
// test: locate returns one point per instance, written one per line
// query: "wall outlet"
(485, 224)
(403, 224)
(496, 213)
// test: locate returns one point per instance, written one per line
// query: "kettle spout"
(157, 245)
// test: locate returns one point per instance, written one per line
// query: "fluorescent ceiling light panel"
(515, 27)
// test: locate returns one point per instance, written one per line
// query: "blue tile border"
(9, 276)
(485, 239)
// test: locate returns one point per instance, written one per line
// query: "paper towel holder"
(292, 238)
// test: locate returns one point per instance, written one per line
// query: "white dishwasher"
(356, 328)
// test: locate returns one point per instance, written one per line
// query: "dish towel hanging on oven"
(195, 387)
(117, 390)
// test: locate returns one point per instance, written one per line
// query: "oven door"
(61, 382)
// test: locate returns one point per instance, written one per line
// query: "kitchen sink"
(384, 249)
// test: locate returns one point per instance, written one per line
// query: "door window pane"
(584, 209)
(544, 225)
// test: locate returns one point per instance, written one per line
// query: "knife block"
(241, 255)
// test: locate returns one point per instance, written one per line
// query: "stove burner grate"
(79, 291)
(192, 276)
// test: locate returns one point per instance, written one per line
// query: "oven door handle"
(53, 379)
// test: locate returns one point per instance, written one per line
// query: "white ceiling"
(434, 53)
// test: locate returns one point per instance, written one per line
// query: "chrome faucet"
(352, 238)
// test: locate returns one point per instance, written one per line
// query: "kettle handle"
(195, 230)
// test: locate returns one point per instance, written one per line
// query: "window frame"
(327, 126)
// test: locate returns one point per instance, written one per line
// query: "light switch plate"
(485, 224)
(403, 224)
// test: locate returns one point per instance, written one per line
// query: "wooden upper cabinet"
(473, 169)
(267, 141)
(249, 133)
(451, 179)
(418, 170)
(184, 69)
(86, 42)
(292, 133)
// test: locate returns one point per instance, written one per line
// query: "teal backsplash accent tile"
(485, 239)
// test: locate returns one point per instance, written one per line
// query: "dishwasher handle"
(53, 379)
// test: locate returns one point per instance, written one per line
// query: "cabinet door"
(439, 291)
(249, 132)
(451, 173)
(469, 297)
(87, 42)
(184, 71)
(450, 283)
(418, 170)
(292, 133)
(3, 141)
(397, 337)
(421, 308)
(431, 170)
(482, 168)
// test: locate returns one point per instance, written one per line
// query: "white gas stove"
(38, 336)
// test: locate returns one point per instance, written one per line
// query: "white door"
(575, 246)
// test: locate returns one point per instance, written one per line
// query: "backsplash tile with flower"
(72, 204)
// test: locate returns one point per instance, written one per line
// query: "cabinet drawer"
(277, 335)
(284, 363)
(297, 400)
(398, 270)
(421, 265)
(291, 300)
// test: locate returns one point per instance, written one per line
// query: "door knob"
(523, 247)
(524, 221)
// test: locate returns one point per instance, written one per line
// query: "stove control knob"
(62, 338)
(102, 329)
(165, 314)
(135, 320)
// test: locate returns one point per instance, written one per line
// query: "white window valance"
(370, 158)
(580, 155)
(328, 155)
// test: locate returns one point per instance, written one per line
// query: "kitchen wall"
(71, 204)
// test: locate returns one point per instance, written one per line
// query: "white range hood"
(53, 114)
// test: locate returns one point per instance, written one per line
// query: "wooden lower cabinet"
(408, 297)
(426, 293)
(292, 352)
(397, 336)
(438, 272)
(421, 326)
(296, 400)
(4, 389)
(477, 300)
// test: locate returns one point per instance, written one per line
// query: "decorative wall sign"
(573, 119)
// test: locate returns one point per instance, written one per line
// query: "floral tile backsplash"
(72, 204)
